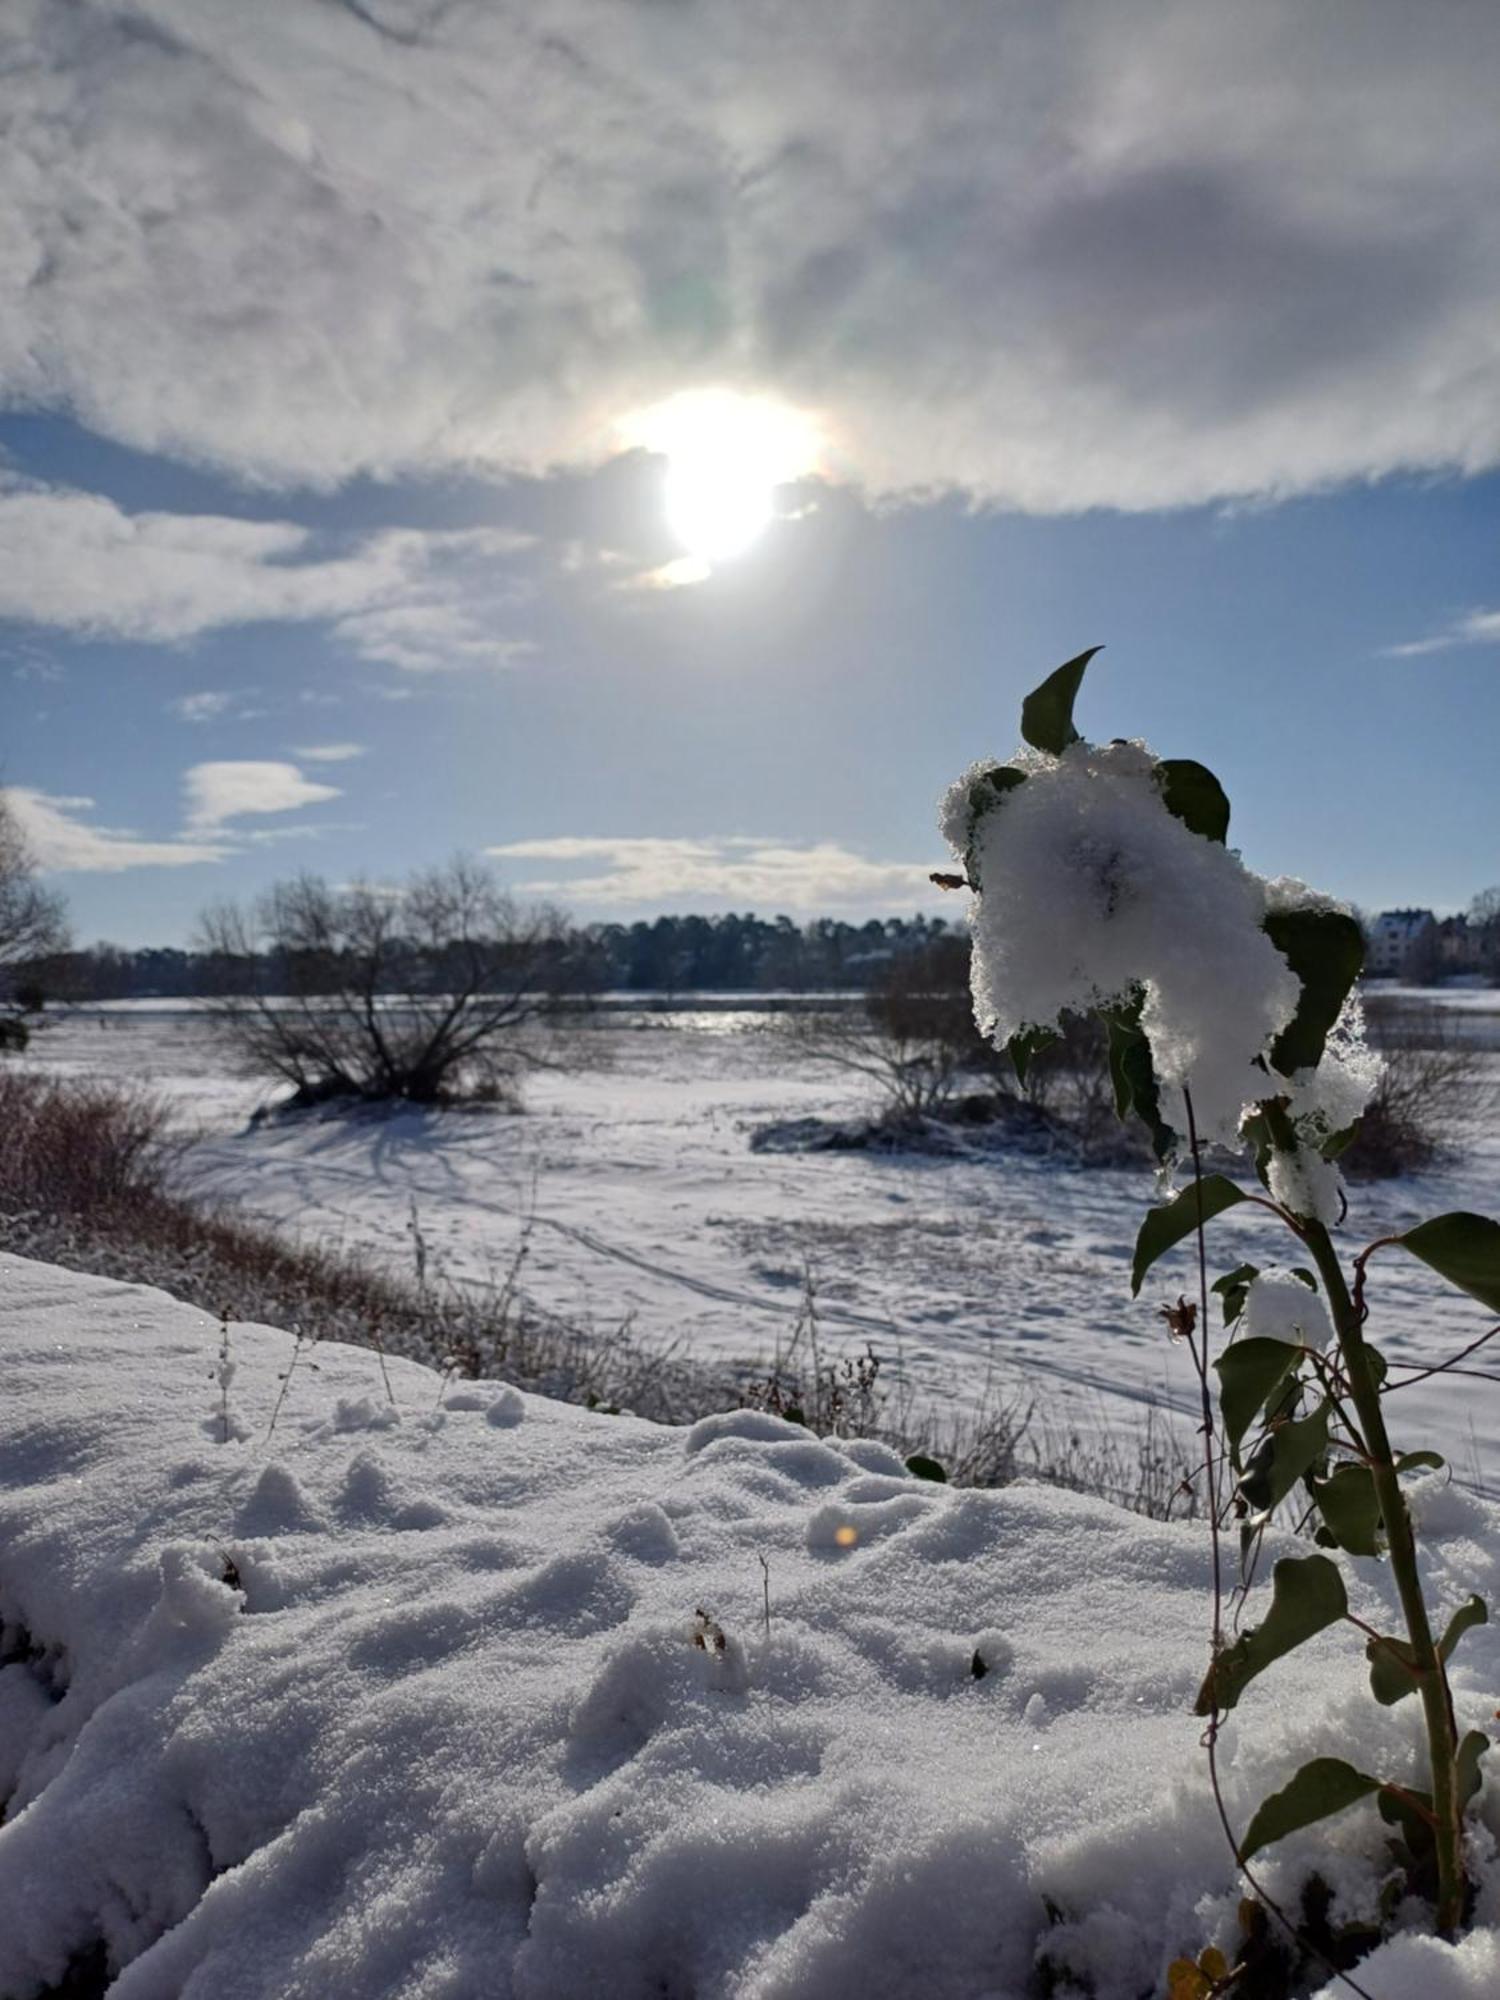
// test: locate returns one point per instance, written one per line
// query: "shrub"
(419, 990)
(1433, 1088)
(1103, 880)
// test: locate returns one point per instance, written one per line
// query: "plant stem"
(1437, 1704)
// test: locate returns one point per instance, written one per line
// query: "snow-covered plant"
(1102, 881)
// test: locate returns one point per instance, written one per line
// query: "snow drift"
(476, 1695)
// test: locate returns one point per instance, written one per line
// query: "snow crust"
(475, 1696)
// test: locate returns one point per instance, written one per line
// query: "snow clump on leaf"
(1091, 892)
(1279, 1305)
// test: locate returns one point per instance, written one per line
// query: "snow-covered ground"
(475, 1696)
(1003, 1274)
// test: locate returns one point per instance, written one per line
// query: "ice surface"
(457, 1707)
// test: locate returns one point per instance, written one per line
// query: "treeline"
(687, 954)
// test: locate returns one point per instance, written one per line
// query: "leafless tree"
(912, 1035)
(418, 990)
(33, 928)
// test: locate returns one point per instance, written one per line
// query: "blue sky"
(322, 543)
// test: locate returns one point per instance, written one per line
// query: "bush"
(1435, 1085)
(71, 1150)
(912, 1035)
(417, 991)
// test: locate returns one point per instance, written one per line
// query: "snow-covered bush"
(1102, 881)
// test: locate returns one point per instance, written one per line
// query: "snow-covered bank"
(432, 1702)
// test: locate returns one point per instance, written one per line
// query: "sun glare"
(726, 455)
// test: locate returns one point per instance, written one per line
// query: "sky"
(656, 443)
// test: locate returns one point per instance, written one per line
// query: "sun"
(726, 455)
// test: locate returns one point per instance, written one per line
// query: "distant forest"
(693, 954)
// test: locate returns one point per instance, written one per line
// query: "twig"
(286, 1380)
(1449, 1367)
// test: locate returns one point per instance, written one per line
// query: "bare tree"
(416, 990)
(912, 1034)
(33, 929)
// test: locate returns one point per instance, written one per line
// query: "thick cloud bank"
(1052, 255)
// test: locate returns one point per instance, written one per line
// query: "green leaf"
(1232, 1287)
(1466, 1765)
(1256, 1132)
(1047, 712)
(1283, 1455)
(921, 1467)
(1411, 1810)
(1025, 1047)
(1464, 1249)
(992, 785)
(1307, 1595)
(1350, 1508)
(1338, 1143)
(1195, 796)
(1474, 1612)
(1250, 1371)
(1166, 1226)
(1133, 1075)
(1393, 1670)
(1413, 1461)
(1393, 1663)
(1326, 950)
(1326, 1785)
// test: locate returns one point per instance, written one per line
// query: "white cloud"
(1127, 252)
(64, 841)
(414, 598)
(1477, 628)
(219, 792)
(430, 638)
(329, 753)
(206, 706)
(736, 871)
(215, 705)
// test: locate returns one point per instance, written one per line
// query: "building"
(1402, 944)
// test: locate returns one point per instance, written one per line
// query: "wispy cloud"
(214, 705)
(425, 638)
(329, 753)
(737, 871)
(1119, 255)
(1477, 628)
(217, 793)
(63, 839)
(78, 563)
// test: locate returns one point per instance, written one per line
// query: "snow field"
(419, 1701)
